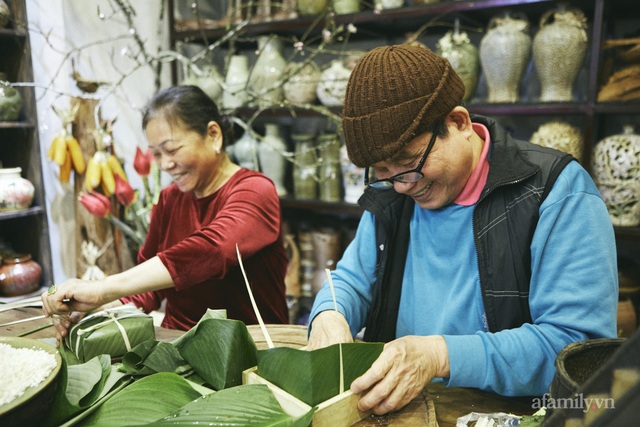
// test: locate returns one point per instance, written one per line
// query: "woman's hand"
(73, 295)
(401, 372)
(327, 328)
(63, 323)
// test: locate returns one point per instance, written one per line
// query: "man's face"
(446, 169)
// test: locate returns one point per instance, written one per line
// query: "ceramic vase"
(388, 4)
(10, 101)
(305, 184)
(16, 192)
(352, 177)
(559, 49)
(342, 7)
(312, 7)
(235, 92)
(245, 151)
(329, 174)
(265, 80)
(616, 170)
(300, 87)
(5, 14)
(19, 275)
(206, 78)
(271, 153)
(504, 53)
(333, 84)
(464, 58)
(561, 136)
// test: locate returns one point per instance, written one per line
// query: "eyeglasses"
(413, 175)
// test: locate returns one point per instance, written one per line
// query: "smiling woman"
(188, 257)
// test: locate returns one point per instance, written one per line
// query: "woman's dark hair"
(189, 107)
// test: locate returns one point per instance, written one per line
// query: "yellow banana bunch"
(65, 152)
(100, 170)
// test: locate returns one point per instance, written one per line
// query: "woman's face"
(190, 158)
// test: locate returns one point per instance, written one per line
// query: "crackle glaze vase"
(559, 49)
(616, 169)
(504, 54)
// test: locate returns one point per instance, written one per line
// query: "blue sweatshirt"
(573, 292)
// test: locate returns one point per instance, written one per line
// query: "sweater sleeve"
(573, 296)
(249, 217)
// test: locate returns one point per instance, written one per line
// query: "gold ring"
(52, 289)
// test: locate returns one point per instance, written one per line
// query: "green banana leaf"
(144, 401)
(218, 350)
(80, 386)
(97, 333)
(314, 376)
(246, 405)
(153, 356)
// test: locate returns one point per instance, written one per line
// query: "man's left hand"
(404, 368)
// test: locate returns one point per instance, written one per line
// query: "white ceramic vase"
(352, 177)
(301, 86)
(265, 80)
(245, 151)
(559, 49)
(271, 153)
(235, 91)
(333, 84)
(504, 54)
(206, 78)
(16, 192)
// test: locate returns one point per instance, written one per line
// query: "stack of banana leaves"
(197, 380)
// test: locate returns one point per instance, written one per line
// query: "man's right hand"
(327, 328)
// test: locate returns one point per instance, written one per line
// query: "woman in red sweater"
(189, 256)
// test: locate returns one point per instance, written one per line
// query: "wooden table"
(448, 403)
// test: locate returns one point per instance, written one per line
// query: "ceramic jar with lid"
(504, 54)
(19, 275)
(616, 169)
(559, 49)
(10, 101)
(464, 58)
(16, 192)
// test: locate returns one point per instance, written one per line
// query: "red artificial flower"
(142, 162)
(124, 193)
(96, 203)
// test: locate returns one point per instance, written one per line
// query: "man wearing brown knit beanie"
(479, 256)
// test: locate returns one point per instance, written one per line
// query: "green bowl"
(34, 406)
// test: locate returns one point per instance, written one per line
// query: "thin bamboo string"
(335, 307)
(253, 302)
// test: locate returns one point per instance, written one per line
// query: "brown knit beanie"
(394, 94)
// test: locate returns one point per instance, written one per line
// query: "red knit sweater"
(196, 240)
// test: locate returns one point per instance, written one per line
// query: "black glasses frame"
(400, 177)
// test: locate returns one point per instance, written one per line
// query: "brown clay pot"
(19, 275)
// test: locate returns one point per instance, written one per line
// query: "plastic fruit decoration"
(102, 167)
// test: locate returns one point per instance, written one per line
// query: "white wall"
(64, 29)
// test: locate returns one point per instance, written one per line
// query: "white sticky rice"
(21, 368)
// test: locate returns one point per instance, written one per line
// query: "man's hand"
(327, 328)
(404, 368)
